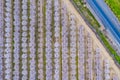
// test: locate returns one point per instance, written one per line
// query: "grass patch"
(44, 35)
(85, 12)
(109, 47)
(114, 6)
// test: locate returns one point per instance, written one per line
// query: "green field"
(115, 7)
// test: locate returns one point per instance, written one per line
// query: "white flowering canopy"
(41, 40)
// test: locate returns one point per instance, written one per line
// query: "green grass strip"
(114, 6)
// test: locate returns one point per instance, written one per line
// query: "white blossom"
(16, 39)
(24, 40)
(72, 48)
(64, 43)
(98, 66)
(8, 36)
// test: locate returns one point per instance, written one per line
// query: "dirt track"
(97, 43)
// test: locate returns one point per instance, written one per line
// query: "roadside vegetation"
(115, 7)
(95, 26)
(87, 13)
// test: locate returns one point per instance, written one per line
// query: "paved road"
(107, 17)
